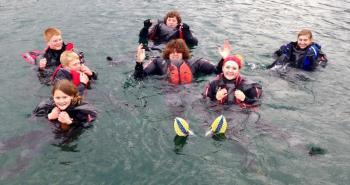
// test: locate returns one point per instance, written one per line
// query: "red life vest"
(182, 75)
(75, 77)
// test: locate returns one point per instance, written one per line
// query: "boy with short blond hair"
(72, 70)
(67, 57)
(304, 53)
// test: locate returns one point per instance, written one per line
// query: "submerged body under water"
(31, 143)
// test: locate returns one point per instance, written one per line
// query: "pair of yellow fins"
(218, 126)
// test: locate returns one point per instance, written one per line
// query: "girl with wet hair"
(65, 108)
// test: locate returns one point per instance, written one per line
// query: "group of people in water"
(64, 67)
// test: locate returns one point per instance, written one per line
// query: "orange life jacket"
(182, 75)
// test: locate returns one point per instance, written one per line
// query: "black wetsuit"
(160, 33)
(251, 90)
(81, 114)
(53, 61)
(160, 66)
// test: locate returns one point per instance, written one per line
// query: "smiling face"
(61, 99)
(171, 22)
(175, 56)
(230, 70)
(55, 42)
(304, 41)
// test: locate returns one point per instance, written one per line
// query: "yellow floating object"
(219, 125)
(181, 127)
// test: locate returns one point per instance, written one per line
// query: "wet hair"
(50, 32)
(67, 87)
(179, 46)
(68, 57)
(305, 32)
(173, 14)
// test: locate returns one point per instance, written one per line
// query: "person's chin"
(58, 48)
(62, 107)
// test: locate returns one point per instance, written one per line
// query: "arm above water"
(141, 71)
(188, 36)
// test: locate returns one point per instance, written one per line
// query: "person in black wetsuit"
(176, 64)
(230, 87)
(161, 32)
(66, 109)
(68, 115)
(303, 54)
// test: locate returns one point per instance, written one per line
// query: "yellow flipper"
(219, 125)
(181, 127)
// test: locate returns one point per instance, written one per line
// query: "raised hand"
(141, 54)
(226, 49)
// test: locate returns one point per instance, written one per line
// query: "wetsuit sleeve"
(94, 76)
(139, 74)
(203, 66)
(84, 113)
(143, 35)
(81, 88)
(314, 57)
(150, 68)
(252, 93)
(188, 36)
(219, 66)
(285, 49)
(210, 91)
(282, 55)
(322, 58)
(43, 108)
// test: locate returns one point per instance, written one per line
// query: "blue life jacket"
(310, 56)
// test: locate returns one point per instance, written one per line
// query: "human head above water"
(176, 46)
(231, 66)
(65, 93)
(70, 60)
(238, 59)
(304, 38)
(172, 19)
(53, 38)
